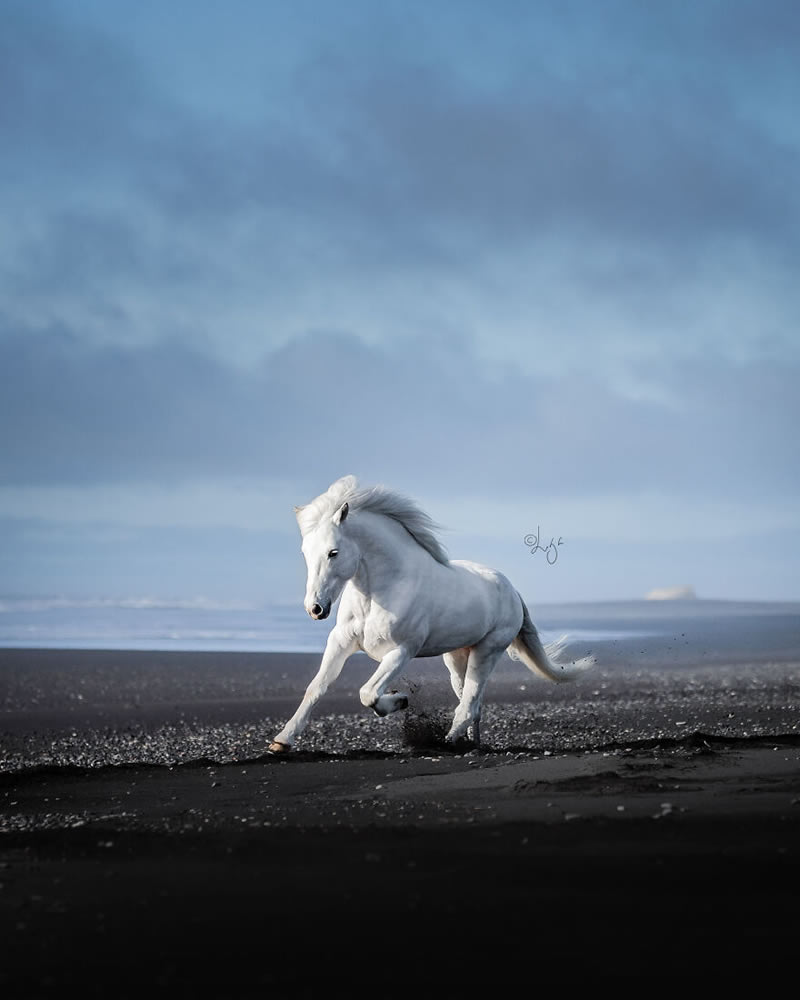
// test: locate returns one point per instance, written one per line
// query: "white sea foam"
(11, 605)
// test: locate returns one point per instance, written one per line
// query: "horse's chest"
(379, 636)
(377, 642)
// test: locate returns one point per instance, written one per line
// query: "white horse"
(402, 597)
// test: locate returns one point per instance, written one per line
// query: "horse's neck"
(388, 553)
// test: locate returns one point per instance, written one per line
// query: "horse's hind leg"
(481, 662)
(456, 663)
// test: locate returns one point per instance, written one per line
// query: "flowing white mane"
(378, 500)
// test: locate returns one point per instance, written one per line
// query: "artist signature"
(550, 550)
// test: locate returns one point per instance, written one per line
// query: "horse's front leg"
(373, 694)
(337, 650)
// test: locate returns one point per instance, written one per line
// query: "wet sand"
(640, 826)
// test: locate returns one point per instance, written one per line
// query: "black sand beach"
(640, 826)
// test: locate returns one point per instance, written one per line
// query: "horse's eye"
(333, 553)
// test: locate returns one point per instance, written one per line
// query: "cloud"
(476, 252)
(638, 191)
(73, 102)
(328, 403)
(106, 561)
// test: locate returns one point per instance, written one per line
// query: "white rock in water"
(685, 593)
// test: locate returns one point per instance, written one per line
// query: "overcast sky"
(532, 263)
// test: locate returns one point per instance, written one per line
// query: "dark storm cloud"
(526, 161)
(71, 100)
(385, 160)
(72, 413)
(99, 254)
(410, 168)
(326, 402)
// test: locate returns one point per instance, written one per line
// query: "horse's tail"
(541, 659)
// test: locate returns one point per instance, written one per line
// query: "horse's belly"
(436, 645)
(376, 642)
(439, 649)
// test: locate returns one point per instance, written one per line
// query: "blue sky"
(534, 264)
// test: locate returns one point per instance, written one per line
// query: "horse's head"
(331, 557)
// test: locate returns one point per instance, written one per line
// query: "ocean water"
(57, 623)
(54, 623)
(144, 624)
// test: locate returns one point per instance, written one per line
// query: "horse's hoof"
(400, 702)
(276, 747)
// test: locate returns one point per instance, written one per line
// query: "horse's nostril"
(316, 609)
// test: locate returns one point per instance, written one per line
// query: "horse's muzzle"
(318, 612)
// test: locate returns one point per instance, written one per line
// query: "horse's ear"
(343, 486)
(341, 513)
(298, 509)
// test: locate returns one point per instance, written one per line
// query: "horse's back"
(488, 589)
(468, 570)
